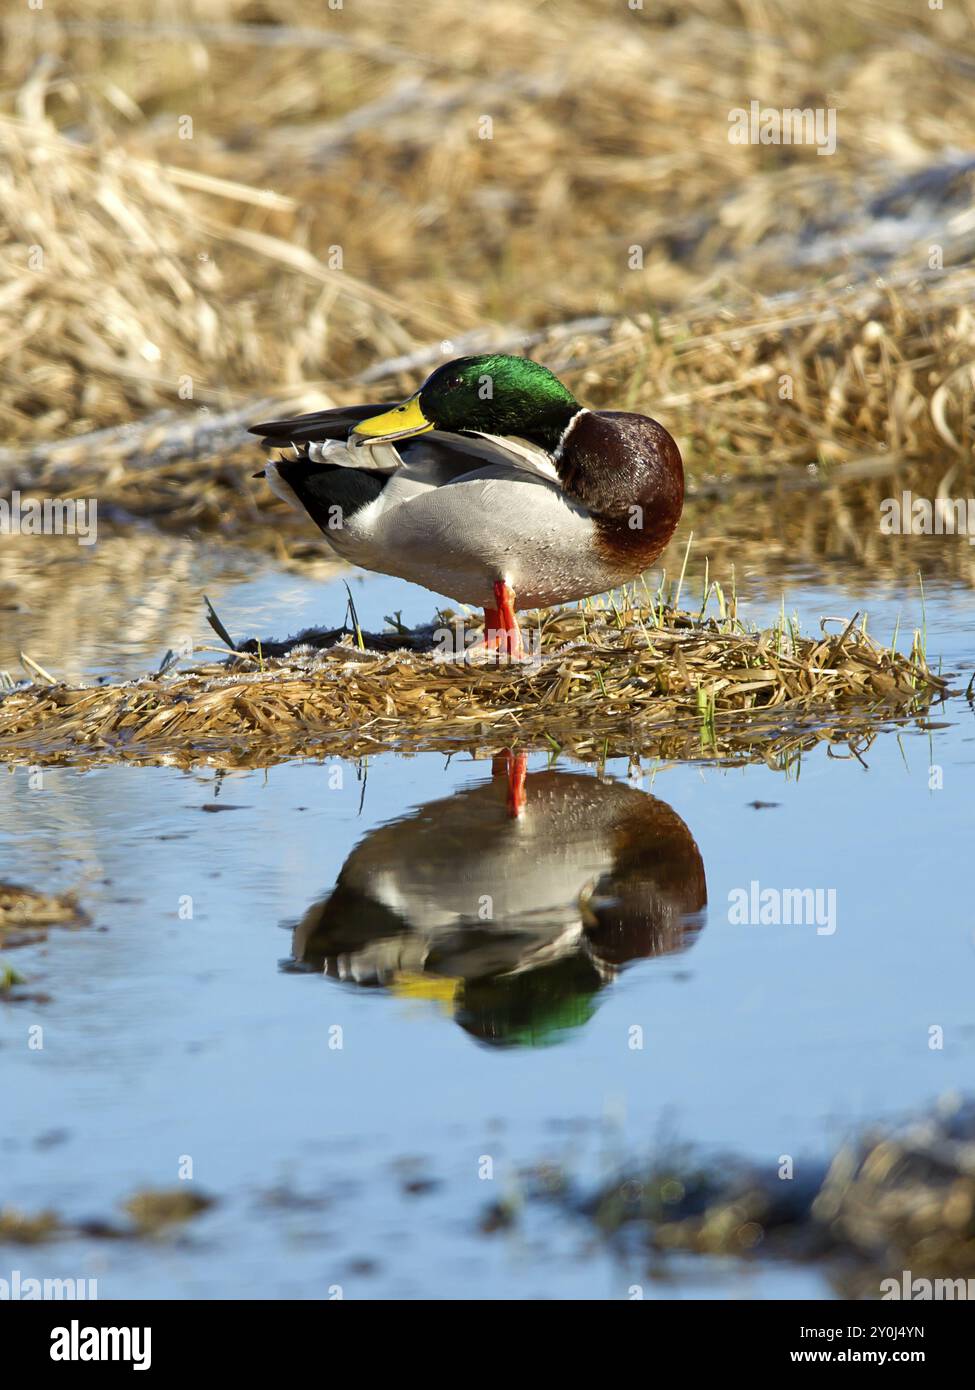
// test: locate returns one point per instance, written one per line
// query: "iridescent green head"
(490, 394)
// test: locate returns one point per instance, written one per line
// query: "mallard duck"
(583, 877)
(490, 484)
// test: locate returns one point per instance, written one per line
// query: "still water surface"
(341, 903)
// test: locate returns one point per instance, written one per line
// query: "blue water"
(169, 1038)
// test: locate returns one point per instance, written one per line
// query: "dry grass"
(154, 1211)
(786, 323)
(26, 915)
(882, 397)
(208, 264)
(613, 680)
(151, 1213)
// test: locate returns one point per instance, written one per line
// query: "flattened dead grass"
(624, 680)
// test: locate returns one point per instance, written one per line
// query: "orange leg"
(514, 766)
(501, 628)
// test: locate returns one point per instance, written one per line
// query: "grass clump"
(24, 1228)
(155, 1211)
(26, 914)
(630, 677)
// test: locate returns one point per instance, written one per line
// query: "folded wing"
(454, 454)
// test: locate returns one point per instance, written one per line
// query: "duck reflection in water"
(513, 902)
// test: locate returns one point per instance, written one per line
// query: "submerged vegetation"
(26, 915)
(151, 1213)
(895, 1204)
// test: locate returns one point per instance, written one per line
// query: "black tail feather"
(319, 425)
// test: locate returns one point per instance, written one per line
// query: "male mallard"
(584, 876)
(490, 484)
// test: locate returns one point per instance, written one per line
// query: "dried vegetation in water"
(611, 679)
(175, 253)
(26, 915)
(152, 1213)
(901, 1199)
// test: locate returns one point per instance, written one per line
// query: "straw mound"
(634, 680)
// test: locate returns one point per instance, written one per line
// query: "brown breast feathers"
(627, 471)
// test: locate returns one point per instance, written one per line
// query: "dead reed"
(607, 680)
(208, 205)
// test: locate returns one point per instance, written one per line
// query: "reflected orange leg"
(514, 766)
(501, 630)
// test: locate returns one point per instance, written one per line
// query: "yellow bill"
(402, 422)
